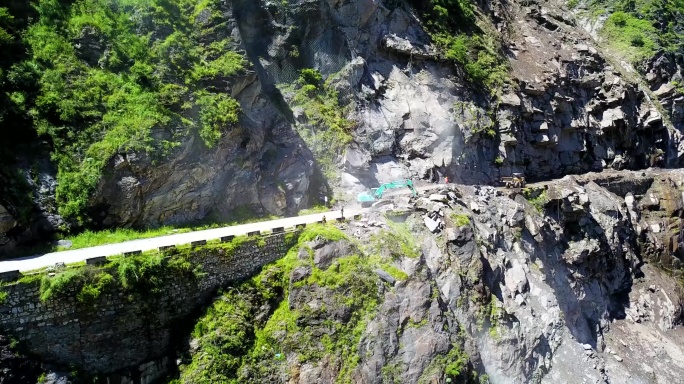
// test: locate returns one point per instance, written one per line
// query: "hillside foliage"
(93, 78)
(476, 52)
(639, 29)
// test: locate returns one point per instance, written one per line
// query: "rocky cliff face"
(560, 285)
(571, 280)
(568, 106)
(262, 167)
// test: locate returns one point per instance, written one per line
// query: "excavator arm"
(378, 192)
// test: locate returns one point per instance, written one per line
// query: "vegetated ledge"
(123, 316)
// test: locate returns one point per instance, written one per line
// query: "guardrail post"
(300, 226)
(198, 243)
(278, 230)
(253, 233)
(98, 260)
(166, 248)
(132, 253)
(226, 239)
(10, 275)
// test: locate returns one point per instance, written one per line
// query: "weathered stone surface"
(7, 221)
(328, 252)
(128, 334)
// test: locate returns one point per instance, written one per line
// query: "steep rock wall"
(123, 330)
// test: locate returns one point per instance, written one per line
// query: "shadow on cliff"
(259, 32)
(592, 290)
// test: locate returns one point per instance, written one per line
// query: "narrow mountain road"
(49, 259)
(352, 208)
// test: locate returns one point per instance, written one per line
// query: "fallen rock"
(511, 99)
(324, 256)
(665, 90)
(515, 278)
(384, 276)
(438, 198)
(300, 273)
(7, 222)
(431, 224)
(459, 235)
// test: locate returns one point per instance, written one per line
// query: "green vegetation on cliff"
(252, 329)
(329, 131)
(454, 27)
(146, 273)
(638, 29)
(95, 78)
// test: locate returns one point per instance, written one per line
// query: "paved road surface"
(41, 261)
(49, 259)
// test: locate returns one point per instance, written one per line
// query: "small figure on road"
(323, 219)
(446, 180)
(342, 212)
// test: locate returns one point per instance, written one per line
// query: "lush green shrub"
(5, 21)
(461, 220)
(320, 103)
(86, 283)
(150, 272)
(452, 24)
(92, 101)
(457, 361)
(247, 333)
(229, 64)
(218, 111)
(639, 29)
(635, 38)
(309, 76)
(477, 56)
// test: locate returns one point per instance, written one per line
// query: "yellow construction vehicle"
(517, 180)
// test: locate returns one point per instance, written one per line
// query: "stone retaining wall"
(124, 330)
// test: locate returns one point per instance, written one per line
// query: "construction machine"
(376, 193)
(517, 180)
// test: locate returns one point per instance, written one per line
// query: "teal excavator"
(376, 193)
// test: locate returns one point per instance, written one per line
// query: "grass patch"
(395, 243)
(312, 210)
(460, 219)
(395, 272)
(453, 365)
(90, 238)
(86, 283)
(638, 29)
(634, 38)
(455, 30)
(537, 199)
(148, 273)
(324, 231)
(479, 58)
